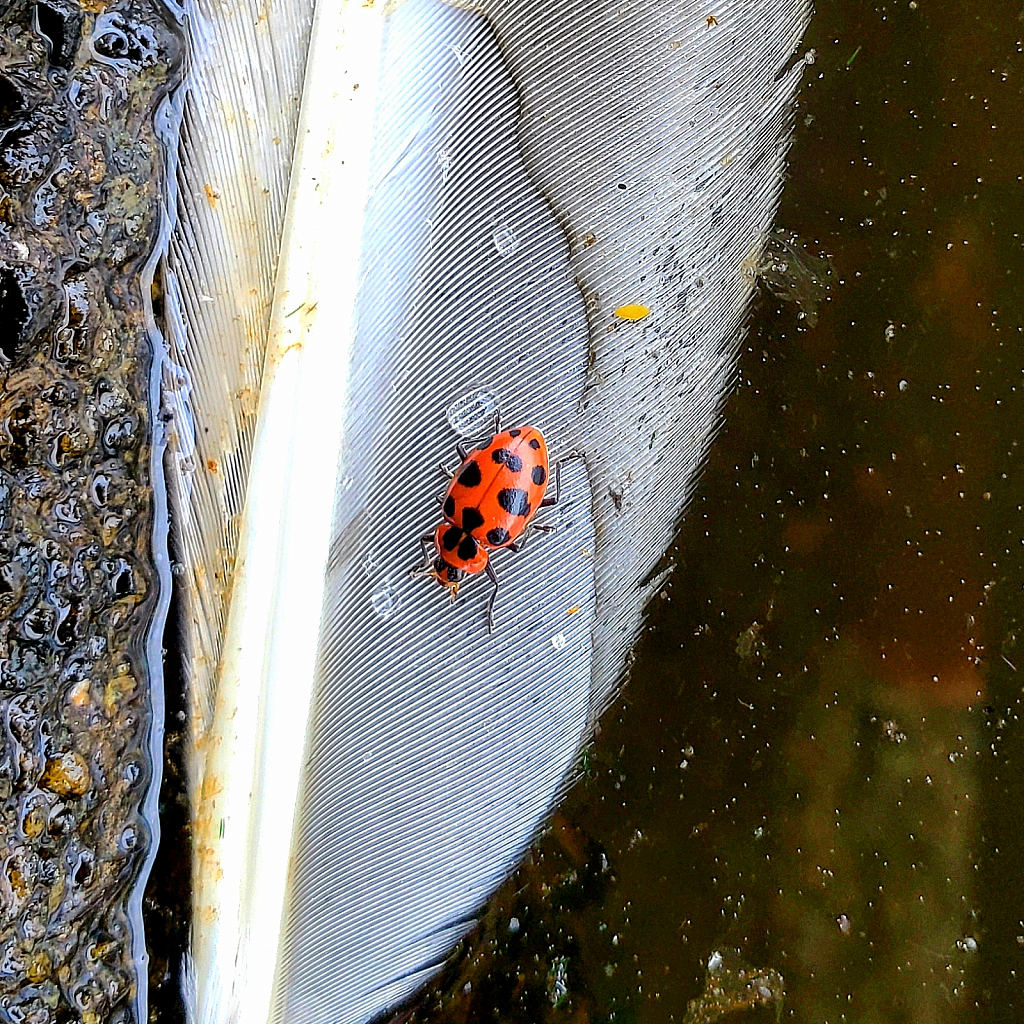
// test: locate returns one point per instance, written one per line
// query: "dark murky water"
(811, 780)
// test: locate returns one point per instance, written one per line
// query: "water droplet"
(383, 602)
(505, 241)
(472, 413)
(445, 161)
(558, 641)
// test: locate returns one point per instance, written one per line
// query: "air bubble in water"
(472, 414)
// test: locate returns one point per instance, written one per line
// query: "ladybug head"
(448, 576)
(458, 553)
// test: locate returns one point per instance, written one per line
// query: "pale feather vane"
(475, 194)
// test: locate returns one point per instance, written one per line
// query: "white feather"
(469, 218)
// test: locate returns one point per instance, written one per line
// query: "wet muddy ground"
(80, 180)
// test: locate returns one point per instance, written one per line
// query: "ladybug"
(491, 500)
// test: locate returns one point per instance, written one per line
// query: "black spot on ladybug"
(497, 535)
(514, 500)
(467, 548)
(538, 475)
(534, 444)
(514, 433)
(470, 476)
(510, 459)
(448, 507)
(471, 519)
(451, 537)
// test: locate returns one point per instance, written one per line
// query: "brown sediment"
(81, 173)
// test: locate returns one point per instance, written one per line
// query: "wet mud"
(81, 172)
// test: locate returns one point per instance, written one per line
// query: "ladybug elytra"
(492, 498)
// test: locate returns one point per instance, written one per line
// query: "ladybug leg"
(519, 545)
(421, 568)
(553, 499)
(462, 451)
(491, 575)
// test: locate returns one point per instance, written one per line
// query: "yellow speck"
(633, 311)
(212, 195)
(573, 610)
(211, 465)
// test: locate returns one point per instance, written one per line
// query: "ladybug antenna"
(448, 576)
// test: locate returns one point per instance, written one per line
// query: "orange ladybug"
(492, 498)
